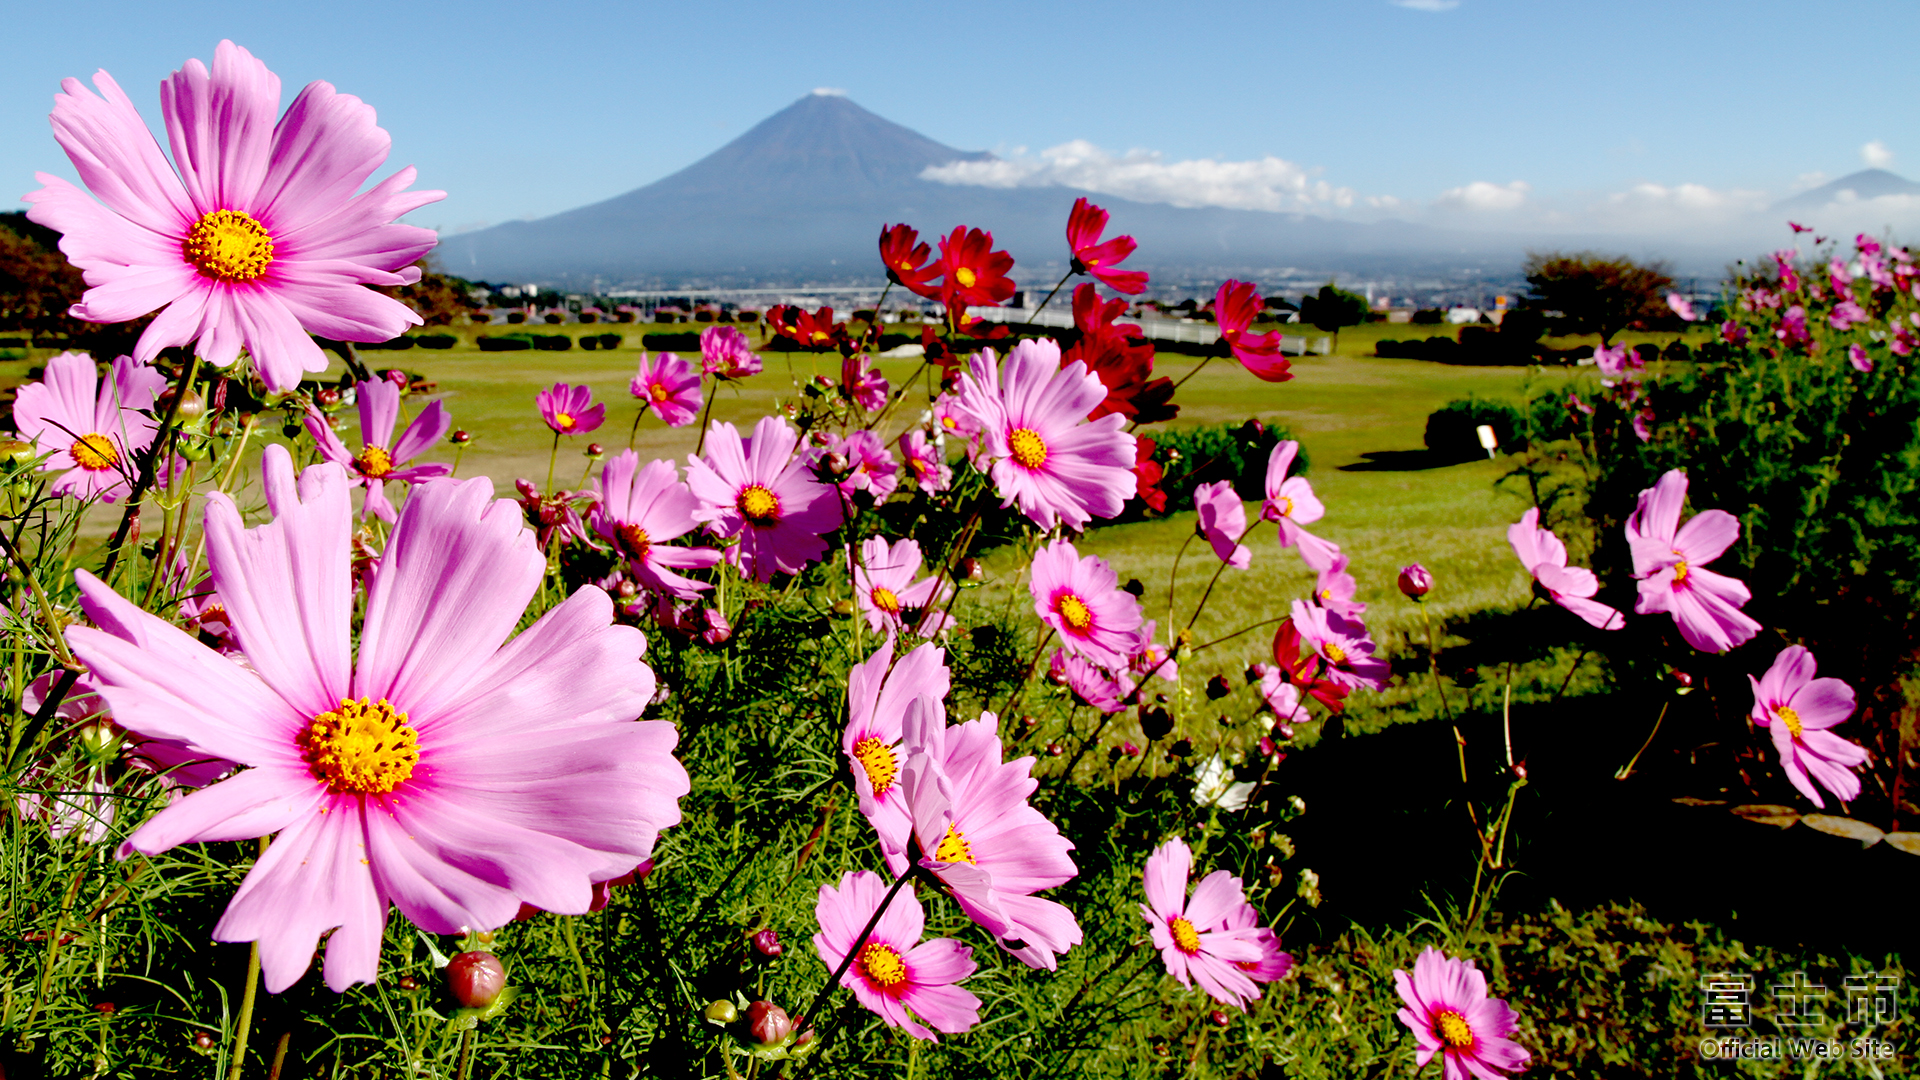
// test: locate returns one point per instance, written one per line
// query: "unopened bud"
(1054, 749)
(836, 463)
(971, 570)
(1183, 748)
(595, 451)
(767, 943)
(1129, 749)
(768, 1023)
(720, 1012)
(1415, 582)
(1219, 1018)
(1134, 586)
(475, 979)
(1217, 688)
(843, 609)
(408, 982)
(1155, 723)
(398, 378)
(203, 1040)
(1028, 723)
(526, 489)
(15, 451)
(327, 398)
(191, 408)
(460, 437)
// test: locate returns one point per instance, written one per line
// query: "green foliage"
(1333, 309)
(1586, 293)
(1452, 429)
(1190, 457)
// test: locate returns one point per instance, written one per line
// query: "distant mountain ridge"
(1855, 187)
(805, 193)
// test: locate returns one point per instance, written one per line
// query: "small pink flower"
(1733, 333)
(1342, 645)
(889, 597)
(953, 421)
(863, 385)
(1222, 521)
(1080, 597)
(1857, 356)
(1291, 505)
(669, 386)
(1191, 931)
(1450, 1014)
(1089, 683)
(1274, 964)
(1282, 698)
(382, 460)
(568, 409)
(1796, 709)
(895, 974)
(879, 694)
(1334, 589)
(870, 465)
(1681, 306)
(92, 437)
(1151, 658)
(760, 490)
(725, 353)
(1670, 562)
(1847, 314)
(641, 509)
(1793, 326)
(1572, 587)
(1613, 361)
(1235, 306)
(925, 463)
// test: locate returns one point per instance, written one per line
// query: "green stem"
(706, 411)
(244, 1024)
(553, 458)
(466, 1053)
(833, 981)
(1056, 291)
(1446, 710)
(573, 947)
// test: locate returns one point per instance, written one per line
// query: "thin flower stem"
(1173, 576)
(1085, 744)
(946, 575)
(1564, 683)
(1446, 710)
(1627, 769)
(553, 458)
(706, 411)
(1020, 692)
(635, 429)
(1204, 361)
(54, 628)
(1204, 597)
(573, 947)
(1506, 714)
(1244, 630)
(1056, 291)
(853, 951)
(466, 1053)
(244, 1024)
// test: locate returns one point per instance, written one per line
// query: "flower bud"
(835, 463)
(1415, 582)
(1054, 749)
(768, 1023)
(408, 982)
(1183, 748)
(1028, 723)
(1217, 688)
(971, 570)
(475, 979)
(720, 1012)
(1129, 749)
(16, 452)
(719, 631)
(1155, 723)
(327, 398)
(767, 943)
(191, 408)
(1134, 587)
(1219, 1018)
(843, 609)
(397, 377)
(595, 451)
(526, 489)
(460, 437)
(203, 1040)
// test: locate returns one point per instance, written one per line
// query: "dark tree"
(1593, 294)
(437, 298)
(1333, 308)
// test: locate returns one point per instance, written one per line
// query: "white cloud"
(1268, 183)
(1427, 5)
(1876, 154)
(828, 91)
(1481, 196)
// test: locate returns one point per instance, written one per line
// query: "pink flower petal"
(313, 878)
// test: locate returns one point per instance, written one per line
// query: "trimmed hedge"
(510, 343)
(1452, 434)
(552, 342)
(436, 341)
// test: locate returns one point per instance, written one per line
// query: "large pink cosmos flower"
(1191, 931)
(92, 436)
(669, 386)
(975, 832)
(569, 410)
(1080, 597)
(879, 694)
(1450, 1014)
(884, 586)
(1572, 587)
(1343, 645)
(1670, 562)
(1291, 505)
(1085, 223)
(1796, 709)
(258, 238)
(759, 490)
(1221, 519)
(1057, 465)
(925, 463)
(895, 971)
(725, 352)
(437, 769)
(1235, 306)
(641, 508)
(381, 460)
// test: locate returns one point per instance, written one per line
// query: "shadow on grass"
(1405, 461)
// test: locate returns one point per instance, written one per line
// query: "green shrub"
(436, 341)
(552, 342)
(1452, 429)
(504, 343)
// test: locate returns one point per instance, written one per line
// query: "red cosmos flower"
(1302, 667)
(1090, 256)
(973, 272)
(1123, 362)
(1147, 475)
(816, 332)
(1234, 307)
(906, 260)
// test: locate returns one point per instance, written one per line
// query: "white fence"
(1182, 330)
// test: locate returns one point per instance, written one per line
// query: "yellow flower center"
(1789, 717)
(884, 599)
(93, 452)
(361, 748)
(565, 420)
(1452, 1029)
(954, 847)
(659, 392)
(883, 966)
(1074, 611)
(966, 277)
(374, 462)
(1284, 504)
(633, 539)
(228, 245)
(877, 758)
(1335, 654)
(759, 505)
(1679, 572)
(1185, 937)
(949, 421)
(1029, 449)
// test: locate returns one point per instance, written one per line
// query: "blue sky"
(1588, 114)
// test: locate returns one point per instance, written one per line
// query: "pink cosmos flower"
(1733, 333)
(884, 587)
(1088, 682)
(1342, 645)
(1614, 361)
(554, 515)
(954, 421)
(895, 971)
(1572, 587)
(1796, 709)
(1085, 223)
(257, 239)
(760, 491)
(1282, 698)
(725, 353)
(566, 409)
(1291, 505)
(1450, 1014)
(1151, 658)
(1857, 356)
(879, 693)
(440, 770)
(1274, 964)
(669, 386)
(1191, 931)
(1793, 326)
(864, 386)
(641, 508)
(381, 460)
(1080, 597)
(1235, 306)
(870, 465)
(974, 830)
(1670, 562)
(93, 435)
(1334, 590)
(925, 463)
(1847, 314)
(1222, 521)
(1060, 467)
(1681, 306)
